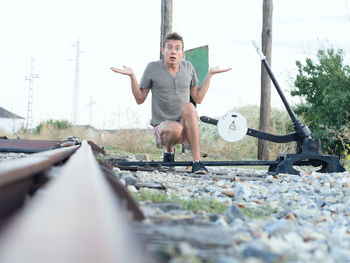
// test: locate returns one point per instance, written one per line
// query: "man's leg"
(170, 133)
(189, 119)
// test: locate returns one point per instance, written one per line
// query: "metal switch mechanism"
(232, 127)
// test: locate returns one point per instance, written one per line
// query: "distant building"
(10, 122)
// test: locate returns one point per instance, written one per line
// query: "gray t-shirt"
(169, 93)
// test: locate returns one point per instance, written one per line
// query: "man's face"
(173, 51)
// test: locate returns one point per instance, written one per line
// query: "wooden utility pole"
(265, 99)
(166, 22)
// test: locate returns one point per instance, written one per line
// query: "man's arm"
(198, 93)
(140, 95)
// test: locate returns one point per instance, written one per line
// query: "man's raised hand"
(125, 70)
(217, 69)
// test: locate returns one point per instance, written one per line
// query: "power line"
(30, 78)
(91, 104)
(75, 106)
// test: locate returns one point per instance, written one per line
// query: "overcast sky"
(116, 33)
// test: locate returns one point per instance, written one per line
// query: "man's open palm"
(125, 70)
(217, 69)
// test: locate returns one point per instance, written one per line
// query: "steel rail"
(118, 163)
(34, 146)
(26, 146)
(14, 170)
(20, 177)
(122, 192)
(76, 218)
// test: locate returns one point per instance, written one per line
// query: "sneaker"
(198, 168)
(169, 157)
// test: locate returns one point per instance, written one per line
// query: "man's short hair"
(173, 36)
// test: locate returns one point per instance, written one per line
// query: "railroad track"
(60, 205)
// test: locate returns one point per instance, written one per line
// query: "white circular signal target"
(232, 127)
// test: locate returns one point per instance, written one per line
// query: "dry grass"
(49, 132)
(2, 133)
(131, 141)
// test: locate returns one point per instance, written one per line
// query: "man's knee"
(188, 109)
(171, 131)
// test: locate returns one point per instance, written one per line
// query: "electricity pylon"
(30, 78)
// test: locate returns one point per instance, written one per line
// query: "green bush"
(58, 124)
(324, 87)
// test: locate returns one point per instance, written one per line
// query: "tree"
(325, 88)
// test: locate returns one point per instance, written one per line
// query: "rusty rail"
(34, 146)
(21, 177)
(76, 218)
(26, 146)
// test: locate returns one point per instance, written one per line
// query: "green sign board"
(199, 59)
